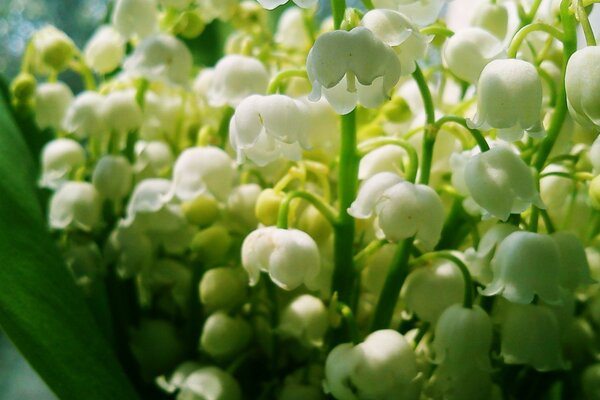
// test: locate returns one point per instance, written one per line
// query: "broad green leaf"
(41, 309)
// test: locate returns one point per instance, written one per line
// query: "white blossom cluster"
(382, 205)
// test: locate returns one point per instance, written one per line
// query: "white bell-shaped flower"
(444, 279)
(60, 159)
(530, 335)
(52, 101)
(112, 177)
(383, 367)
(581, 84)
(469, 51)
(501, 183)
(202, 171)
(129, 249)
(209, 383)
(152, 159)
(217, 9)
(526, 264)
(509, 98)
(398, 31)
(162, 58)
(463, 338)
(105, 50)
(291, 30)
(491, 17)
(84, 118)
(290, 256)
(236, 77)
(161, 114)
(265, 128)
(386, 158)
(271, 4)
(224, 336)
(351, 67)
(306, 319)
(76, 205)
(575, 270)
(421, 12)
(149, 207)
(135, 17)
(403, 209)
(121, 112)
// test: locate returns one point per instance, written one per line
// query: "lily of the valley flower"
(384, 367)
(236, 77)
(84, 118)
(398, 32)
(422, 12)
(264, 128)
(305, 319)
(60, 159)
(112, 177)
(469, 51)
(105, 50)
(290, 256)
(509, 98)
(581, 83)
(501, 183)
(403, 209)
(76, 205)
(351, 67)
(135, 17)
(52, 101)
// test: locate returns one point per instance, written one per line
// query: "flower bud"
(51, 103)
(540, 346)
(594, 192)
(290, 256)
(76, 205)
(444, 279)
(224, 336)
(121, 112)
(105, 50)
(501, 183)
(509, 98)
(526, 264)
(351, 67)
(112, 177)
(210, 383)
(267, 206)
(384, 366)
(305, 319)
(264, 128)
(54, 48)
(590, 382)
(241, 205)
(477, 46)
(491, 17)
(167, 284)
(211, 244)
(581, 84)
(130, 249)
(235, 78)
(84, 118)
(201, 171)
(23, 87)
(313, 222)
(202, 211)
(61, 158)
(291, 30)
(135, 18)
(223, 288)
(161, 58)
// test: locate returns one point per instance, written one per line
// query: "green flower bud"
(54, 48)
(315, 224)
(189, 25)
(224, 336)
(223, 288)
(211, 244)
(23, 87)
(267, 206)
(594, 192)
(202, 210)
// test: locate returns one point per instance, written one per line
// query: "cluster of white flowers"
(346, 207)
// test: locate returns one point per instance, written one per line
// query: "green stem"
(533, 11)
(481, 142)
(429, 134)
(391, 288)
(343, 229)
(338, 8)
(282, 217)
(413, 158)
(468, 294)
(276, 82)
(560, 112)
(437, 30)
(547, 221)
(370, 249)
(368, 4)
(224, 126)
(526, 30)
(582, 16)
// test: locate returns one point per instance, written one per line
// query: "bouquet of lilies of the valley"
(376, 205)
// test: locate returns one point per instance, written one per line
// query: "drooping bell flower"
(351, 67)
(76, 205)
(581, 83)
(422, 12)
(264, 128)
(105, 50)
(305, 318)
(236, 77)
(526, 265)
(135, 18)
(52, 101)
(60, 159)
(509, 98)
(290, 256)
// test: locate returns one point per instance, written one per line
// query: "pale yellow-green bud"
(54, 47)
(267, 206)
(211, 244)
(202, 210)
(23, 87)
(396, 110)
(315, 224)
(189, 25)
(370, 131)
(594, 192)
(351, 19)
(223, 288)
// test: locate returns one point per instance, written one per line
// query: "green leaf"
(41, 309)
